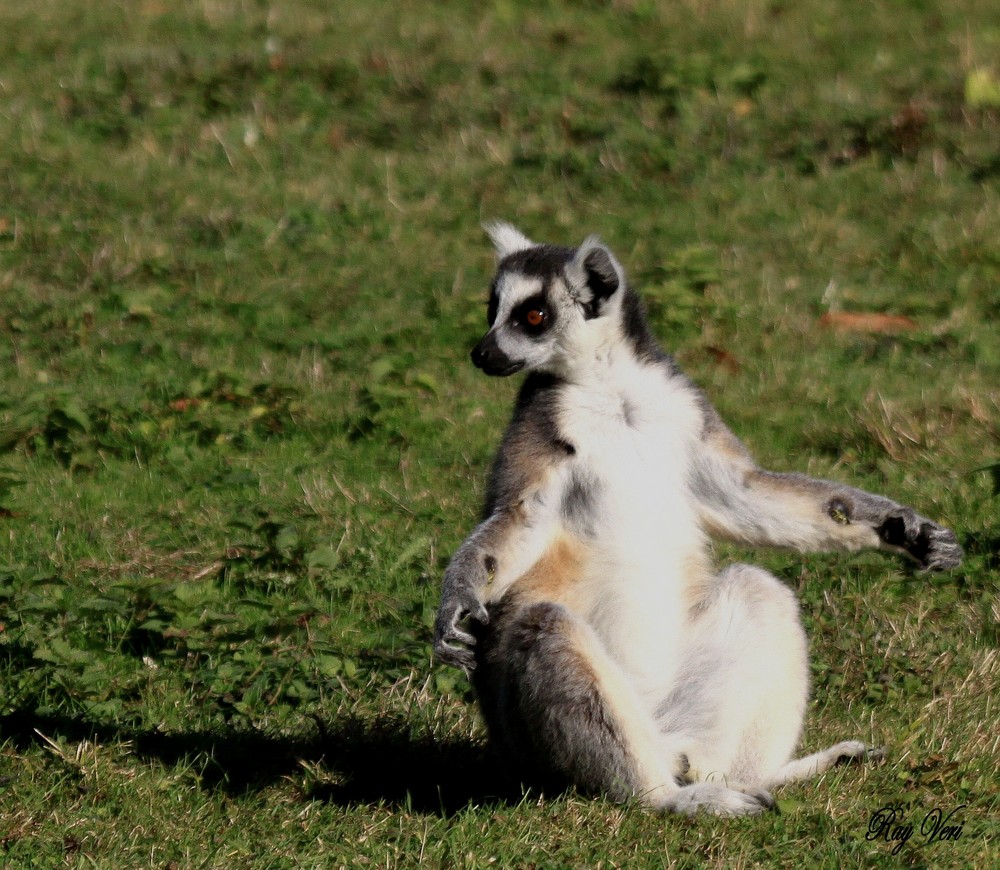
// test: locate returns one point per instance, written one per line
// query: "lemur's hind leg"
(739, 697)
(558, 710)
(562, 710)
(741, 692)
(845, 752)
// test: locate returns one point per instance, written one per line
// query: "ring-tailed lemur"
(604, 650)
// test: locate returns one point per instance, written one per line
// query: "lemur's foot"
(719, 800)
(856, 752)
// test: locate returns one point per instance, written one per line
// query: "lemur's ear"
(506, 238)
(594, 275)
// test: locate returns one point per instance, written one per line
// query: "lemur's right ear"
(594, 275)
(506, 238)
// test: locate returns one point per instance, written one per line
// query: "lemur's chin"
(502, 371)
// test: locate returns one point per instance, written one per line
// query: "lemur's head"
(551, 308)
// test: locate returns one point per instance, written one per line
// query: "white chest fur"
(633, 431)
(633, 428)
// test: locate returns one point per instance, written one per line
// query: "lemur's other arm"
(501, 549)
(465, 579)
(517, 522)
(741, 502)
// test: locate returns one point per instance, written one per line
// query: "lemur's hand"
(934, 547)
(459, 601)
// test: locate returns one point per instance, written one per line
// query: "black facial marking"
(490, 357)
(542, 261)
(493, 304)
(546, 262)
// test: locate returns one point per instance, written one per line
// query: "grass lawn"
(240, 272)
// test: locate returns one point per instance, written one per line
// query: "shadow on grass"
(358, 761)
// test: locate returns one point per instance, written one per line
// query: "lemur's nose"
(490, 358)
(478, 356)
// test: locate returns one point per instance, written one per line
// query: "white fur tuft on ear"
(506, 238)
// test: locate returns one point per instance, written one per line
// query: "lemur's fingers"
(943, 549)
(452, 644)
(460, 654)
(456, 610)
(474, 609)
(455, 636)
(446, 628)
(934, 547)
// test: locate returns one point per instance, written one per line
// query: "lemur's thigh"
(561, 710)
(741, 691)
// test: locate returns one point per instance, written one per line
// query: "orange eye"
(534, 317)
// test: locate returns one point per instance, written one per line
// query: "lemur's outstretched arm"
(741, 502)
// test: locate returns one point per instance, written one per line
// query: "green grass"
(240, 271)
